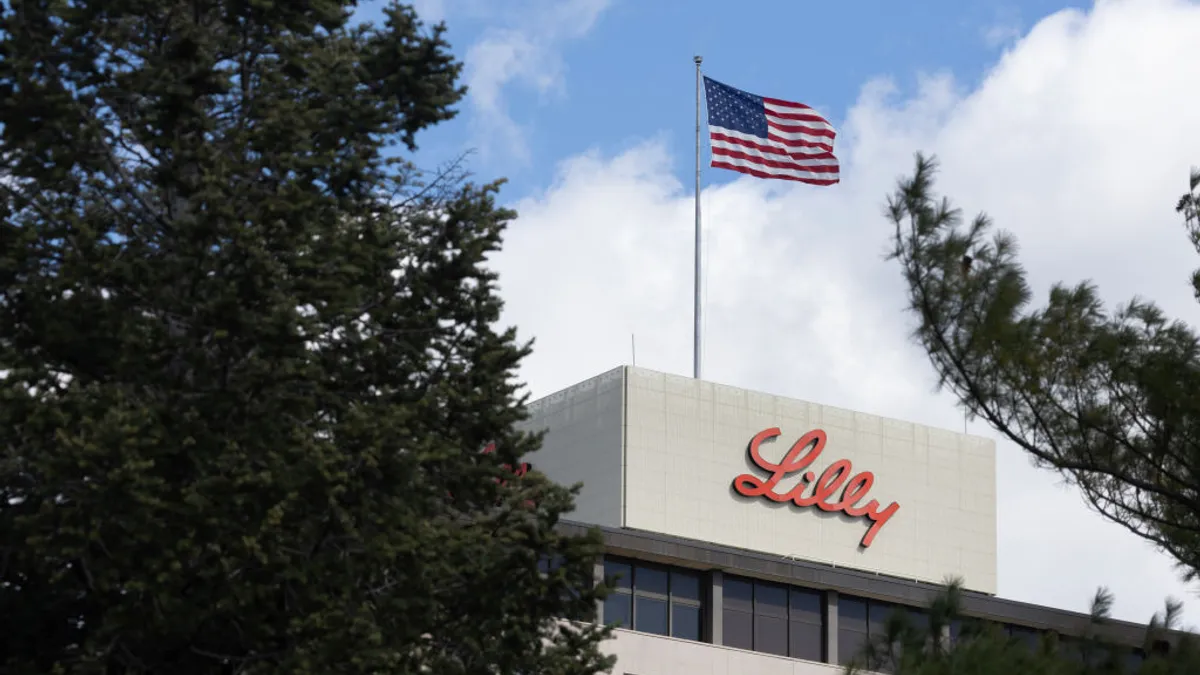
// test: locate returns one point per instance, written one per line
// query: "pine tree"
(951, 643)
(250, 361)
(1110, 398)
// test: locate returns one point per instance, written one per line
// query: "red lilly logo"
(834, 491)
(519, 471)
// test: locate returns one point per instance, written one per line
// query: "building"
(758, 534)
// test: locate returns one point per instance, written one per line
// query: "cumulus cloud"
(1004, 27)
(1079, 141)
(525, 53)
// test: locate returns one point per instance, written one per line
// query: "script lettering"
(837, 489)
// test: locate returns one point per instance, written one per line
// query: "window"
(806, 629)
(574, 587)
(773, 618)
(852, 627)
(738, 613)
(861, 619)
(654, 599)
(1029, 636)
(1134, 660)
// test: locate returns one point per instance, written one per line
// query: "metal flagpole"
(696, 312)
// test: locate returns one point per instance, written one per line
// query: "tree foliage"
(1110, 398)
(951, 643)
(249, 362)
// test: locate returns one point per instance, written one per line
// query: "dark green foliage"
(249, 364)
(1109, 398)
(979, 647)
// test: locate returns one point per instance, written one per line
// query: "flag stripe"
(802, 117)
(824, 166)
(817, 134)
(773, 153)
(785, 174)
(769, 137)
(795, 150)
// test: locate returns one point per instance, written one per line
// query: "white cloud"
(525, 52)
(1079, 141)
(1004, 28)
(430, 11)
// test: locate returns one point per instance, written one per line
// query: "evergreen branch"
(1102, 399)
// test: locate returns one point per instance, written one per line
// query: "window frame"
(788, 617)
(671, 598)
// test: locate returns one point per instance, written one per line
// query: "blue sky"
(629, 75)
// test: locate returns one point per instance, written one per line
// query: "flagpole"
(696, 307)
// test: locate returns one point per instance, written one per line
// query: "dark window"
(1028, 636)
(774, 619)
(571, 592)
(619, 574)
(547, 564)
(878, 614)
(654, 599)
(738, 613)
(771, 618)
(738, 594)
(685, 586)
(1134, 660)
(618, 609)
(770, 634)
(650, 614)
(652, 580)
(686, 603)
(861, 620)
(852, 627)
(685, 621)
(806, 641)
(771, 600)
(806, 632)
(807, 606)
(918, 619)
(738, 629)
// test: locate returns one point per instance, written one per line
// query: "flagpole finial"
(697, 58)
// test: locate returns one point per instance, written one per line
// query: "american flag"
(769, 137)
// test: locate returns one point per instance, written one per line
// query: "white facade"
(644, 654)
(660, 453)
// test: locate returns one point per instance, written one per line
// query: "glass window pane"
(852, 614)
(1070, 650)
(1134, 660)
(650, 615)
(770, 600)
(685, 585)
(738, 594)
(878, 614)
(650, 580)
(685, 622)
(806, 641)
(548, 564)
(807, 605)
(918, 618)
(850, 643)
(618, 608)
(1028, 636)
(618, 573)
(770, 635)
(738, 629)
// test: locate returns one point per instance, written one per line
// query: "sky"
(1073, 125)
